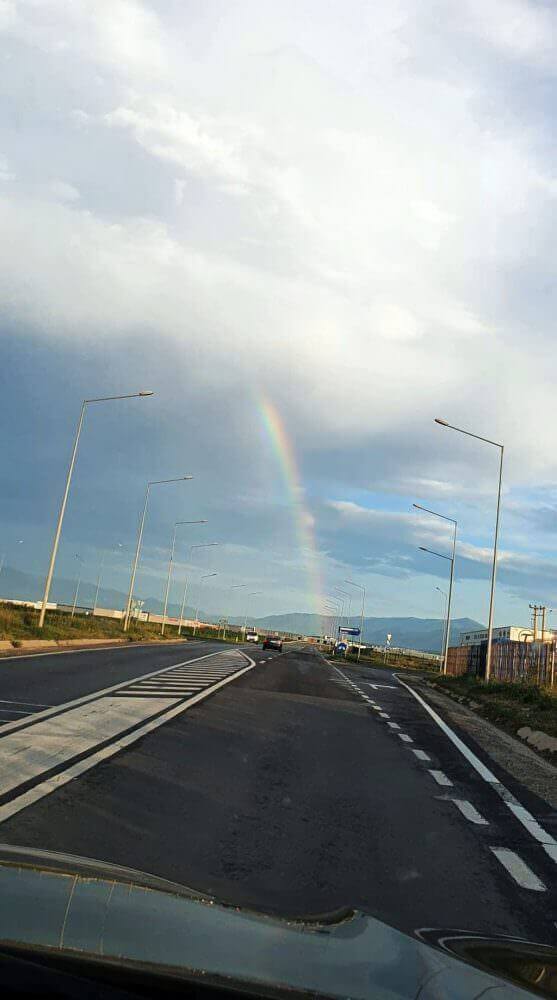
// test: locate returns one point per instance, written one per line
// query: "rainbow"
(283, 449)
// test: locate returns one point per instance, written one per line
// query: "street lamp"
(501, 447)
(206, 577)
(449, 558)
(155, 482)
(203, 545)
(236, 586)
(104, 555)
(48, 581)
(447, 635)
(363, 590)
(255, 593)
(170, 561)
(78, 583)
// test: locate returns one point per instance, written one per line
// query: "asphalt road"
(292, 788)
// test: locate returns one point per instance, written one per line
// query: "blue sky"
(354, 209)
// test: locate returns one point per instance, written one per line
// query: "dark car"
(272, 642)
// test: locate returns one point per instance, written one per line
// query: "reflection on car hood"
(77, 906)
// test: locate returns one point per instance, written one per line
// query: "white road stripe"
(405, 738)
(441, 778)
(421, 754)
(393, 725)
(75, 770)
(516, 867)
(12, 701)
(384, 715)
(471, 813)
(523, 815)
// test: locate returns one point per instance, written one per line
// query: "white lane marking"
(375, 686)
(421, 754)
(12, 701)
(441, 778)
(75, 770)
(94, 649)
(393, 725)
(516, 867)
(13, 711)
(470, 812)
(14, 726)
(405, 738)
(522, 814)
(384, 715)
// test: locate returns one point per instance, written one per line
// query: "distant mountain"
(412, 633)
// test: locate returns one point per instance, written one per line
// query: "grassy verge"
(22, 623)
(395, 661)
(509, 706)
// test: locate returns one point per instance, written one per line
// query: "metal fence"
(526, 662)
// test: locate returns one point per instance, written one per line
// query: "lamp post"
(202, 545)
(363, 590)
(84, 405)
(255, 593)
(103, 557)
(170, 561)
(501, 447)
(78, 583)
(236, 586)
(154, 482)
(206, 577)
(440, 555)
(454, 523)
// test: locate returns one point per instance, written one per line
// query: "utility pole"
(537, 609)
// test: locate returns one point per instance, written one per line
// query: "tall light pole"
(84, 405)
(203, 545)
(363, 590)
(206, 577)
(255, 593)
(444, 593)
(454, 523)
(154, 482)
(104, 555)
(501, 447)
(236, 586)
(170, 561)
(450, 559)
(78, 583)
(337, 604)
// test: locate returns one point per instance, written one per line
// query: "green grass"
(395, 661)
(23, 623)
(510, 706)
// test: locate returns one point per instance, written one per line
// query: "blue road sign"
(348, 631)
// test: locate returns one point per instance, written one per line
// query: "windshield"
(277, 567)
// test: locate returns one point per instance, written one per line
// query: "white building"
(516, 633)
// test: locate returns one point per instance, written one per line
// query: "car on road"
(272, 642)
(252, 636)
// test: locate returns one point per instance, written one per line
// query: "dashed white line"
(516, 867)
(405, 738)
(441, 778)
(384, 715)
(421, 754)
(393, 725)
(523, 815)
(470, 812)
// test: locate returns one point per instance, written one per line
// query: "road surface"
(275, 781)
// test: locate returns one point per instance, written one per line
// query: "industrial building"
(513, 633)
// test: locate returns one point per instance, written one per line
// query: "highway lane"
(30, 684)
(288, 791)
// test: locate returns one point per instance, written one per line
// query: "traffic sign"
(344, 630)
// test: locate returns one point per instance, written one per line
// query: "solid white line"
(13, 726)
(92, 649)
(7, 701)
(518, 869)
(470, 812)
(522, 814)
(441, 778)
(420, 754)
(52, 784)
(13, 711)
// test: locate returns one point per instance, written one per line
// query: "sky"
(342, 215)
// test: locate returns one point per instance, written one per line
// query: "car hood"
(78, 906)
